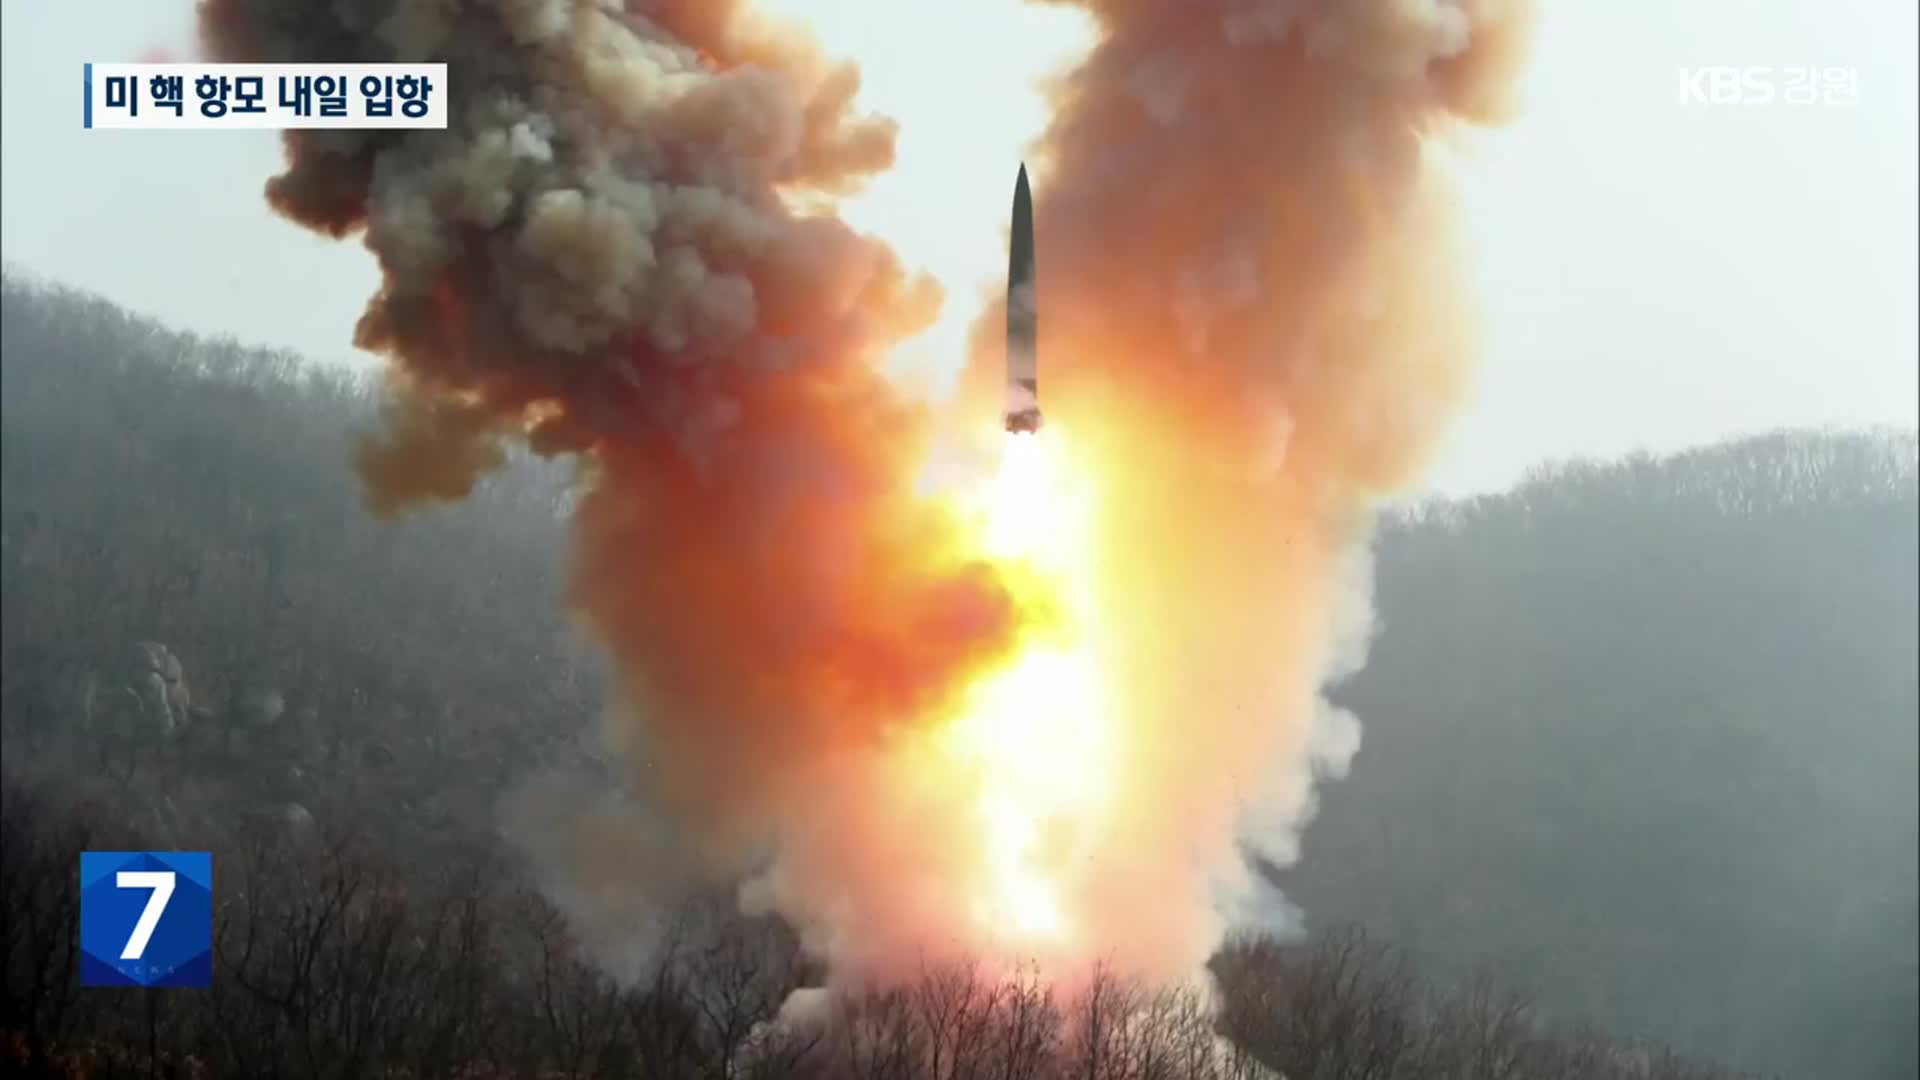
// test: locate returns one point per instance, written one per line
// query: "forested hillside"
(193, 494)
(1640, 739)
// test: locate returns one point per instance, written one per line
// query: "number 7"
(161, 882)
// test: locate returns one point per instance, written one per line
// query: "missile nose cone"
(1020, 254)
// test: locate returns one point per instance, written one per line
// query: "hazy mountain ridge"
(1588, 763)
(1643, 738)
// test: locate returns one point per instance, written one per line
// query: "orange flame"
(1036, 734)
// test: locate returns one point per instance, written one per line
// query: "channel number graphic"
(146, 918)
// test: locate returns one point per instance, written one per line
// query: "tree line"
(332, 961)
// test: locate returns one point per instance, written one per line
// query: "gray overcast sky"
(1652, 275)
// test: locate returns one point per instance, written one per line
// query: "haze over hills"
(1639, 738)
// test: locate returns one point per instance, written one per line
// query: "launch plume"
(1040, 718)
(1255, 328)
(601, 255)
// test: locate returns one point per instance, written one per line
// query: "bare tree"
(39, 925)
(580, 1005)
(1482, 1033)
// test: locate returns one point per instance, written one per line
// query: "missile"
(1023, 317)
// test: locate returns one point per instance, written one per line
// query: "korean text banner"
(275, 96)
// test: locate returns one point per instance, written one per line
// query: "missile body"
(1023, 318)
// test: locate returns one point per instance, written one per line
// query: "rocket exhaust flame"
(1034, 720)
(1036, 729)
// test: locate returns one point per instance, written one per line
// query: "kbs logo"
(146, 918)
(1765, 85)
(1726, 86)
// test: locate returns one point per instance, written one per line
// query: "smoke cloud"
(623, 248)
(1253, 327)
(602, 256)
